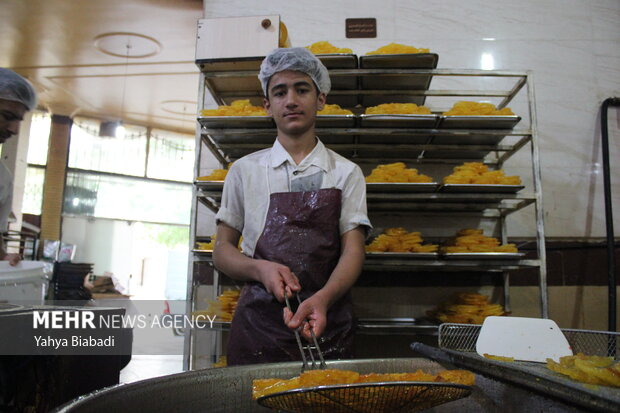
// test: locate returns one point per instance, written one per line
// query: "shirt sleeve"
(354, 211)
(231, 211)
(6, 203)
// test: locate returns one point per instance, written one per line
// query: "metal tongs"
(308, 348)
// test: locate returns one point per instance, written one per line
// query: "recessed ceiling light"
(128, 45)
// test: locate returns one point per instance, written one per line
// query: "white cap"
(299, 59)
(15, 88)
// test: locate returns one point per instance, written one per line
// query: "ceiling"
(111, 59)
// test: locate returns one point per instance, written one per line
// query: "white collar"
(318, 157)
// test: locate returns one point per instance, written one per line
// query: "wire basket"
(404, 396)
(463, 337)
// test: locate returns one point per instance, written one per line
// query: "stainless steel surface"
(335, 121)
(403, 61)
(458, 344)
(228, 390)
(405, 255)
(478, 122)
(386, 397)
(475, 188)
(236, 121)
(394, 187)
(209, 185)
(483, 255)
(341, 61)
(398, 121)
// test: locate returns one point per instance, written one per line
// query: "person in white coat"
(17, 96)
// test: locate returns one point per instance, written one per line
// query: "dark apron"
(302, 232)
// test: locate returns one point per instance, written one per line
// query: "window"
(106, 196)
(38, 142)
(171, 156)
(90, 151)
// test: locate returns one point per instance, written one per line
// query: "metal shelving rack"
(233, 80)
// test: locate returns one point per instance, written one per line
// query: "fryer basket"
(387, 397)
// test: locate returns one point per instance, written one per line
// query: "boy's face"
(11, 114)
(293, 101)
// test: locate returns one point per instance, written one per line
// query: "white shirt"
(6, 196)
(251, 180)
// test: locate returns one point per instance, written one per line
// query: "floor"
(155, 352)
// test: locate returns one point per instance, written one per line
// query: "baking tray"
(392, 187)
(244, 83)
(236, 122)
(482, 255)
(476, 188)
(335, 121)
(467, 138)
(478, 122)
(338, 60)
(398, 61)
(406, 255)
(398, 121)
(210, 185)
(341, 61)
(204, 252)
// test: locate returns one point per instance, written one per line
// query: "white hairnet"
(15, 88)
(299, 59)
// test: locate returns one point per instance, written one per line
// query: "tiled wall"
(571, 46)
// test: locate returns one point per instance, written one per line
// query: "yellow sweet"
(334, 110)
(469, 108)
(397, 172)
(399, 240)
(398, 109)
(466, 308)
(324, 47)
(588, 369)
(312, 378)
(223, 307)
(473, 240)
(477, 173)
(216, 175)
(396, 48)
(236, 108)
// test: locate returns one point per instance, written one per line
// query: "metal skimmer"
(308, 348)
(386, 397)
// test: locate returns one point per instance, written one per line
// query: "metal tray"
(466, 138)
(407, 255)
(236, 122)
(335, 121)
(482, 255)
(479, 122)
(210, 185)
(476, 188)
(340, 61)
(398, 121)
(401, 186)
(204, 252)
(398, 61)
(241, 83)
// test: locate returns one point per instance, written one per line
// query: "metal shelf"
(364, 143)
(381, 144)
(489, 205)
(374, 263)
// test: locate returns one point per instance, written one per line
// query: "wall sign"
(361, 28)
